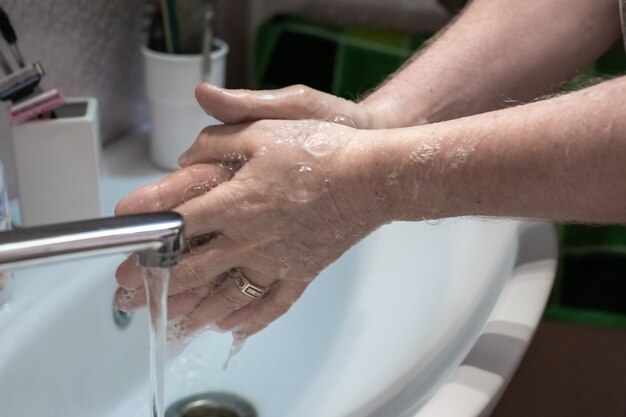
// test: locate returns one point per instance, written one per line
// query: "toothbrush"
(6, 68)
(207, 42)
(8, 33)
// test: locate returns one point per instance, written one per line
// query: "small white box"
(57, 164)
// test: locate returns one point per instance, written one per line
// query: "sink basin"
(416, 320)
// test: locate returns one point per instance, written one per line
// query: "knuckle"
(204, 138)
(302, 89)
(232, 299)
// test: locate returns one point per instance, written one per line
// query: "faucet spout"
(156, 239)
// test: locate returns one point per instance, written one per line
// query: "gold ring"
(248, 288)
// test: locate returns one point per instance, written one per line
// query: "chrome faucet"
(156, 239)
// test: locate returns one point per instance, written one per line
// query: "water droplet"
(342, 119)
(239, 339)
(305, 183)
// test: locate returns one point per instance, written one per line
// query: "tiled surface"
(569, 371)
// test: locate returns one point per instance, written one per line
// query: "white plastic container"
(6, 278)
(57, 165)
(175, 116)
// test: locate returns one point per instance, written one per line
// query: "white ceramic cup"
(175, 116)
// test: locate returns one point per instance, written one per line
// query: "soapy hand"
(229, 106)
(300, 197)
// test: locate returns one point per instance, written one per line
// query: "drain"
(211, 404)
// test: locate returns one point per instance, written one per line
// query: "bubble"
(392, 178)
(318, 144)
(305, 183)
(178, 335)
(234, 157)
(125, 297)
(341, 119)
(426, 151)
(309, 135)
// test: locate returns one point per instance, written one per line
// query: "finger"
(181, 304)
(223, 301)
(204, 265)
(175, 188)
(129, 300)
(225, 143)
(293, 102)
(177, 305)
(208, 264)
(256, 316)
(129, 275)
(213, 211)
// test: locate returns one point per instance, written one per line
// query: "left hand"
(305, 193)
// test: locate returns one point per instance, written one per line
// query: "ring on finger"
(247, 287)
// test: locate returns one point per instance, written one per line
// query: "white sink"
(416, 320)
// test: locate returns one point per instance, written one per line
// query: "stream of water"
(156, 282)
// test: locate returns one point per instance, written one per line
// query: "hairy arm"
(497, 53)
(559, 159)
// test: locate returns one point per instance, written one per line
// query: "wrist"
(413, 173)
(378, 177)
(400, 108)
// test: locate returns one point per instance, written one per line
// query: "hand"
(306, 192)
(295, 102)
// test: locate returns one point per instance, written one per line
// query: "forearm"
(496, 53)
(560, 159)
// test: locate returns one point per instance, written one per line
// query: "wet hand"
(305, 193)
(295, 102)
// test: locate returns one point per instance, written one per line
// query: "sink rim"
(479, 387)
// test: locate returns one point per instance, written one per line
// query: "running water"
(156, 282)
